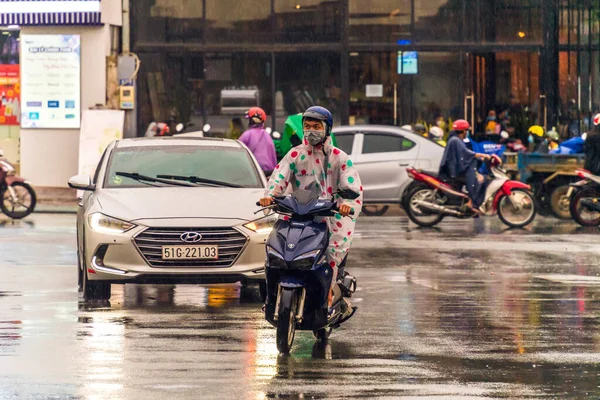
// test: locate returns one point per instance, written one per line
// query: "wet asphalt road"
(469, 311)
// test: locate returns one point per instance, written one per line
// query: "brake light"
(583, 174)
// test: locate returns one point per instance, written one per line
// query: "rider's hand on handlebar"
(345, 210)
(266, 202)
(484, 157)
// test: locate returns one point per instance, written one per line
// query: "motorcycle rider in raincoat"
(460, 163)
(259, 141)
(317, 163)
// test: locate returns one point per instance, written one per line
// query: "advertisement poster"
(10, 109)
(98, 129)
(50, 81)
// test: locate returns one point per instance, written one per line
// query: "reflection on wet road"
(466, 311)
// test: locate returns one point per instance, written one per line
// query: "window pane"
(307, 20)
(407, 144)
(439, 20)
(216, 88)
(231, 21)
(521, 22)
(381, 21)
(377, 143)
(306, 79)
(345, 142)
(167, 20)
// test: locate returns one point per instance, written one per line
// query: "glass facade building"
(369, 61)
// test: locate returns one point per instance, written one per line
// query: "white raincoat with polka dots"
(330, 169)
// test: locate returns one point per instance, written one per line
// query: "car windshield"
(230, 166)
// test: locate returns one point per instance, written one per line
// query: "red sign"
(10, 94)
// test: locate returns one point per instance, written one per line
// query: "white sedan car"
(171, 210)
(382, 153)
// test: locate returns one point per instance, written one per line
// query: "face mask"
(314, 137)
(491, 118)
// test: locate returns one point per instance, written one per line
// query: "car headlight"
(274, 259)
(105, 224)
(306, 260)
(263, 225)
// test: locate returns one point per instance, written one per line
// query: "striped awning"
(50, 12)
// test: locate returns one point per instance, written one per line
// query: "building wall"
(49, 157)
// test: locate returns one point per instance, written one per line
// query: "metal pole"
(395, 104)
(579, 23)
(273, 91)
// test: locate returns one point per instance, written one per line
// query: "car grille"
(230, 241)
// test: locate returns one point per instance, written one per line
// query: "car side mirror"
(1, 153)
(348, 194)
(81, 182)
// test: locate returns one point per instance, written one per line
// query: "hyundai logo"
(190, 237)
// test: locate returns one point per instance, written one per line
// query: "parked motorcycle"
(584, 199)
(298, 276)
(428, 203)
(17, 197)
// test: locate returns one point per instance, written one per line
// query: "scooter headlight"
(306, 260)
(274, 259)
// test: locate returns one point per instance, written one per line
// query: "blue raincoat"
(460, 162)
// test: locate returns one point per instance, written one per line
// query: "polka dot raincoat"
(330, 169)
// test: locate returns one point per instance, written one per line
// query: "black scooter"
(298, 276)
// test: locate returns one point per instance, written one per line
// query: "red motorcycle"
(431, 199)
(17, 197)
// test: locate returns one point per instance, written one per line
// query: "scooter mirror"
(348, 194)
(206, 128)
(1, 153)
(269, 130)
(179, 127)
(276, 135)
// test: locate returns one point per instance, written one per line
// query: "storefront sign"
(50, 12)
(50, 81)
(9, 90)
(408, 62)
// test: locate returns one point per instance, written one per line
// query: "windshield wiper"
(196, 179)
(141, 178)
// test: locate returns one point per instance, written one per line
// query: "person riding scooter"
(259, 141)
(318, 162)
(459, 163)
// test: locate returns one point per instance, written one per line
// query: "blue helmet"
(321, 114)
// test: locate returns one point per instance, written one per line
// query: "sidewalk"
(56, 200)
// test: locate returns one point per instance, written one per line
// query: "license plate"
(190, 253)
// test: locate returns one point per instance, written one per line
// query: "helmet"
(596, 119)
(420, 128)
(436, 132)
(162, 129)
(552, 135)
(536, 130)
(461, 125)
(320, 114)
(257, 115)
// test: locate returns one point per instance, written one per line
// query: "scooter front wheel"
(518, 210)
(286, 320)
(580, 208)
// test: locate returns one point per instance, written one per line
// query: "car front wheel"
(94, 290)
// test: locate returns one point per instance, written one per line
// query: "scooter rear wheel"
(286, 321)
(416, 214)
(25, 202)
